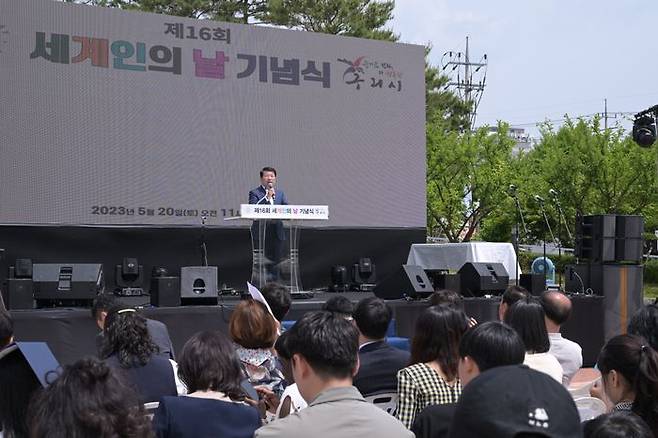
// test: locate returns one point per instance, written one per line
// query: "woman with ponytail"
(629, 370)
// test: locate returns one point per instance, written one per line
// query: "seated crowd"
(332, 374)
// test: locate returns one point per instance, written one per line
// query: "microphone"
(270, 186)
(511, 190)
(203, 220)
(553, 193)
(539, 199)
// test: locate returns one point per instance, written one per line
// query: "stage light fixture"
(644, 130)
(338, 279)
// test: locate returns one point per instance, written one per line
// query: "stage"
(71, 333)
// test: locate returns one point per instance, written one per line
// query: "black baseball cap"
(504, 402)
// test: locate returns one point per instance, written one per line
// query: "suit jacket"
(256, 197)
(379, 366)
(259, 192)
(336, 412)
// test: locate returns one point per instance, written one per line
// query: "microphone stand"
(519, 216)
(550, 231)
(204, 250)
(561, 219)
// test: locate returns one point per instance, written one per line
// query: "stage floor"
(71, 333)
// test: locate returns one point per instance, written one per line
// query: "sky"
(546, 58)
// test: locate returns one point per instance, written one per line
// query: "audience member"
(158, 330)
(557, 307)
(617, 425)
(6, 329)
(278, 298)
(291, 400)
(18, 383)
(447, 297)
(324, 349)
(379, 362)
(485, 346)
(215, 404)
(339, 304)
(432, 376)
(254, 331)
(629, 371)
(88, 400)
(645, 323)
(129, 349)
(511, 295)
(515, 401)
(527, 317)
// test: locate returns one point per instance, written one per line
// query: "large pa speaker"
(66, 283)
(478, 278)
(533, 283)
(198, 284)
(19, 294)
(165, 291)
(620, 285)
(408, 280)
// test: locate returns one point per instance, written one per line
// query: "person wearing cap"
(513, 401)
(629, 372)
(557, 307)
(483, 347)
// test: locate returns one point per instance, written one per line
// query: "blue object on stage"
(539, 266)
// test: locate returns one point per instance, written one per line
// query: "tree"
(465, 174)
(357, 18)
(595, 171)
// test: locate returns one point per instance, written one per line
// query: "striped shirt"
(419, 386)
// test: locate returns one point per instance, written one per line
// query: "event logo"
(375, 74)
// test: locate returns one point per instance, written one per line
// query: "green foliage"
(560, 262)
(651, 271)
(357, 18)
(595, 171)
(465, 173)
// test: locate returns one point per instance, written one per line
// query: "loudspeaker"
(23, 268)
(441, 280)
(19, 294)
(609, 238)
(165, 291)
(478, 279)
(198, 284)
(67, 284)
(621, 285)
(534, 283)
(629, 227)
(409, 280)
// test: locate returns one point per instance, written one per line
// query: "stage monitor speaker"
(75, 284)
(165, 291)
(23, 268)
(19, 294)
(442, 280)
(408, 280)
(534, 283)
(198, 285)
(478, 278)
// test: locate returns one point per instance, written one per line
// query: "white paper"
(256, 295)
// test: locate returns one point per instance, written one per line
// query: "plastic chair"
(590, 407)
(386, 401)
(150, 408)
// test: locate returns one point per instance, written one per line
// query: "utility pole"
(469, 85)
(605, 113)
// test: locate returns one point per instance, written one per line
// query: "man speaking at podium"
(275, 234)
(266, 193)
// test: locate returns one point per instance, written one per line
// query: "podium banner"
(283, 212)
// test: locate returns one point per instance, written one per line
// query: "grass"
(650, 291)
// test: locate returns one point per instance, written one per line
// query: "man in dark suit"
(275, 235)
(379, 362)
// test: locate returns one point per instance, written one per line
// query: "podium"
(275, 241)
